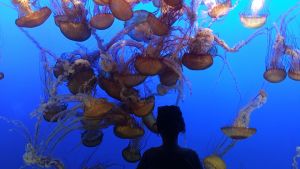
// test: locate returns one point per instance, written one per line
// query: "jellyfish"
(1, 75)
(142, 107)
(121, 9)
(101, 19)
(91, 138)
(52, 110)
(29, 18)
(131, 130)
(294, 70)
(279, 49)
(150, 122)
(214, 162)
(83, 79)
(71, 19)
(295, 158)
(256, 17)
(218, 8)
(240, 128)
(132, 153)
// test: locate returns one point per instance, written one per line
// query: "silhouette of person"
(170, 155)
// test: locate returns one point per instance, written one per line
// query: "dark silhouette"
(170, 155)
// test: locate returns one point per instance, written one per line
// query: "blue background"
(214, 101)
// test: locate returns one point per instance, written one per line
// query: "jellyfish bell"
(220, 9)
(158, 27)
(143, 107)
(96, 108)
(61, 68)
(102, 21)
(121, 9)
(168, 77)
(1, 75)
(29, 18)
(197, 62)
(51, 111)
(83, 79)
(294, 74)
(148, 66)
(72, 29)
(129, 79)
(129, 131)
(91, 138)
(131, 155)
(275, 75)
(112, 88)
(238, 133)
(214, 162)
(253, 21)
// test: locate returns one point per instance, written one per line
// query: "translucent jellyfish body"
(218, 8)
(199, 57)
(130, 130)
(29, 18)
(91, 138)
(255, 17)
(72, 21)
(240, 128)
(121, 9)
(214, 162)
(52, 110)
(83, 79)
(132, 153)
(101, 19)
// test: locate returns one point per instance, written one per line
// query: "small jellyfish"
(240, 128)
(131, 130)
(294, 70)
(256, 17)
(218, 8)
(82, 79)
(101, 19)
(52, 110)
(91, 138)
(1, 75)
(214, 162)
(132, 153)
(29, 18)
(121, 9)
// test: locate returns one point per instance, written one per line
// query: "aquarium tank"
(81, 81)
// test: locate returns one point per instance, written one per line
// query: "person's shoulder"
(189, 151)
(152, 150)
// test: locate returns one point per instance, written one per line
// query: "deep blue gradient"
(213, 103)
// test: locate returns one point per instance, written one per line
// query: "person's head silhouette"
(170, 123)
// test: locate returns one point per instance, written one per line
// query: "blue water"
(214, 101)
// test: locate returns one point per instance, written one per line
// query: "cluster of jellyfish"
(151, 44)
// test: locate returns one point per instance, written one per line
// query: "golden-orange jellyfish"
(256, 17)
(83, 79)
(142, 107)
(131, 130)
(158, 27)
(121, 9)
(240, 128)
(52, 110)
(29, 18)
(199, 56)
(214, 162)
(132, 153)
(91, 138)
(294, 71)
(101, 19)
(72, 21)
(218, 8)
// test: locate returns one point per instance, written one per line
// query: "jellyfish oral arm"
(294, 53)
(244, 115)
(241, 44)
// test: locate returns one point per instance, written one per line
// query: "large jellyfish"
(240, 128)
(256, 17)
(28, 17)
